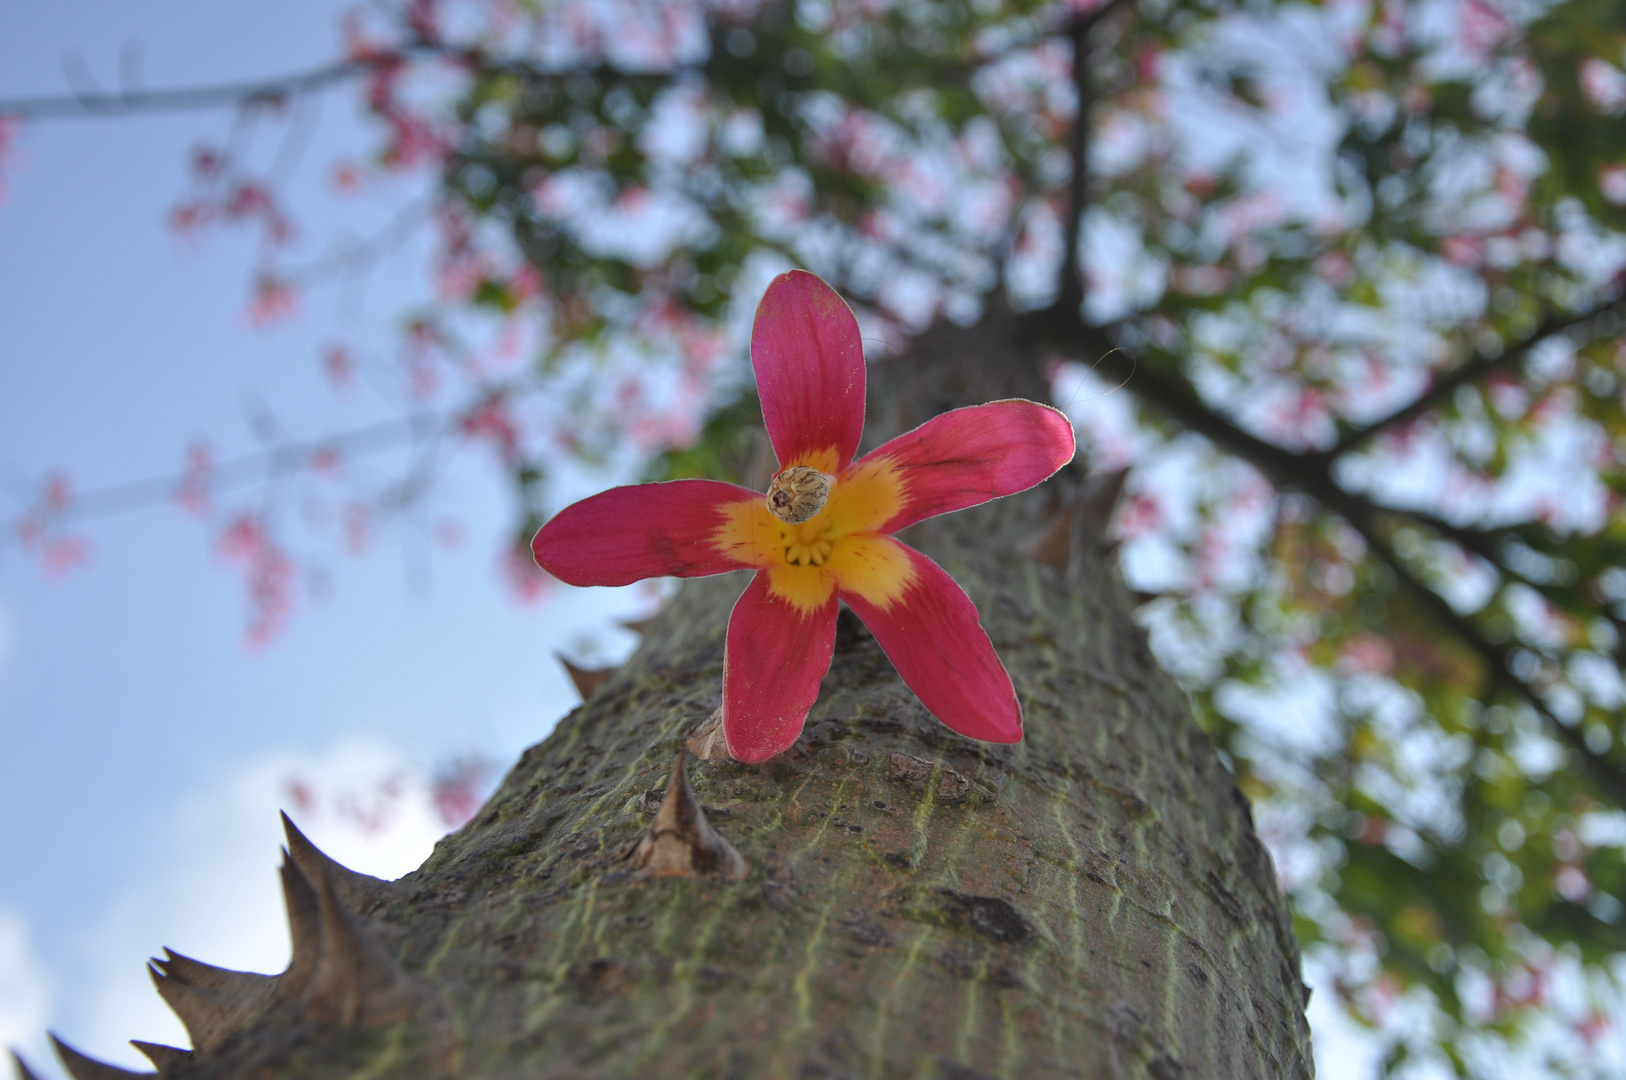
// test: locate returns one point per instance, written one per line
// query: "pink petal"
(810, 372)
(968, 456)
(933, 637)
(777, 652)
(626, 534)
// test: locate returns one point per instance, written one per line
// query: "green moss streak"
(896, 991)
(1043, 926)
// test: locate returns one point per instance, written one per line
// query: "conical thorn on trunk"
(229, 984)
(356, 982)
(209, 1014)
(1098, 503)
(23, 1071)
(166, 1059)
(81, 1067)
(586, 680)
(359, 892)
(1082, 520)
(707, 741)
(681, 843)
(304, 930)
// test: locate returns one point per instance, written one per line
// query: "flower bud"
(798, 493)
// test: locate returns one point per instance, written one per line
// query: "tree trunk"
(1091, 902)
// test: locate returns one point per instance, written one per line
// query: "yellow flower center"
(838, 540)
(809, 543)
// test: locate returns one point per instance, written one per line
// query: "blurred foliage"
(726, 449)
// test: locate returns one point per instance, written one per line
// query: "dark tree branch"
(279, 88)
(1485, 543)
(1066, 332)
(1475, 368)
(1070, 286)
(1608, 775)
(1311, 475)
(187, 98)
(1070, 274)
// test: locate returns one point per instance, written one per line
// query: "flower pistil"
(807, 544)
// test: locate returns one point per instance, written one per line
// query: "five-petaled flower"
(810, 375)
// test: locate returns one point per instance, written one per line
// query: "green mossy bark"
(1091, 902)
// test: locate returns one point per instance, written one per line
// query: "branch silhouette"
(1070, 274)
(191, 98)
(245, 470)
(1311, 475)
(1476, 367)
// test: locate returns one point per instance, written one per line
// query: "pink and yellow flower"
(810, 375)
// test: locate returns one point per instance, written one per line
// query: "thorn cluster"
(339, 973)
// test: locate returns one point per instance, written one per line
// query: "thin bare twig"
(93, 103)
(187, 98)
(244, 470)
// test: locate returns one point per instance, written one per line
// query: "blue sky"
(145, 751)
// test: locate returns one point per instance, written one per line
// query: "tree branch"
(277, 88)
(1486, 543)
(1066, 332)
(1070, 274)
(244, 470)
(1311, 475)
(1608, 775)
(1475, 368)
(186, 98)
(1070, 284)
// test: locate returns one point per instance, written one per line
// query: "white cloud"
(213, 892)
(1343, 1049)
(24, 994)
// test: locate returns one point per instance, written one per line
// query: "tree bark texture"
(1089, 903)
